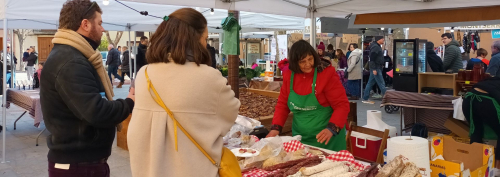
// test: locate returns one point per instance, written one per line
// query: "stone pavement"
(27, 160)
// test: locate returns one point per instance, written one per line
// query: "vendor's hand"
(375, 72)
(131, 94)
(324, 135)
(273, 133)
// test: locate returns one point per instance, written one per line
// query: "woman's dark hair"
(178, 36)
(340, 54)
(299, 51)
(354, 45)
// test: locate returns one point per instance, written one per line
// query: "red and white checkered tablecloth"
(292, 146)
(346, 156)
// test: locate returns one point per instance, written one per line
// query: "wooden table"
(437, 80)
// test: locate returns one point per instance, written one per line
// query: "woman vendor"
(313, 93)
(481, 107)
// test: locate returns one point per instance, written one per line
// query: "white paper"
(457, 109)
(62, 166)
(414, 150)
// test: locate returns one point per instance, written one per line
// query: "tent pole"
(129, 53)
(135, 54)
(362, 58)
(312, 36)
(4, 95)
(12, 61)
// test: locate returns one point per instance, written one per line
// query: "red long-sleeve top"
(329, 92)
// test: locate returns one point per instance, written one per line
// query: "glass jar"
(461, 74)
(477, 72)
(468, 75)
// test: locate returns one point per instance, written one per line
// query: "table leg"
(18, 119)
(39, 135)
(401, 122)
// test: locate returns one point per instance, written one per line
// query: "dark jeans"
(79, 170)
(483, 112)
(354, 87)
(113, 69)
(123, 76)
(374, 79)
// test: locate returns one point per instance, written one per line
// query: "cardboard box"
(461, 160)
(458, 127)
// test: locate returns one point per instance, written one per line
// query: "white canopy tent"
(325, 8)
(36, 14)
(33, 14)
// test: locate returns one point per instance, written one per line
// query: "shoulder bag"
(228, 166)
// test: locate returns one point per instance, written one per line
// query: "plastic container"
(365, 146)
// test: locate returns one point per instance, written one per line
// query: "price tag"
(410, 54)
(397, 69)
(467, 82)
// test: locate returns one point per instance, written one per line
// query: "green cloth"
(310, 118)
(488, 132)
(453, 57)
(231, 35)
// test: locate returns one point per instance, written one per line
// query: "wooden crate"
(121, 136)
(267, 121)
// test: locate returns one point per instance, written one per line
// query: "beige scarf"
(73, 39)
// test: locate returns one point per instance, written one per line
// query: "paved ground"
(24, 159)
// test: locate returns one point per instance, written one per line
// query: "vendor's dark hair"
(448, 35)
(177, 36)
(74, 11)
(299, 51)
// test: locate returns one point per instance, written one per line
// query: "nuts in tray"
(256, 106)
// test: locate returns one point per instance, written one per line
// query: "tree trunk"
(21, 42)
(233, 67)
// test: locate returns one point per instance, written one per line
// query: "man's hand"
(273, 133)
(375, 72)
(131, 94)
(324, 135)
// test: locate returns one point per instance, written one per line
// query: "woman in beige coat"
(354, 71)
(179, 69)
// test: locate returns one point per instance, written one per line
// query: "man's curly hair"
(74, 11)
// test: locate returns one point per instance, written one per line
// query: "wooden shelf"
(437, 80)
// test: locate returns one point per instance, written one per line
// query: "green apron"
(310, 118)
(488, 132)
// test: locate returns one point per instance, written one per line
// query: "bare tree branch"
(22, 34)
(109, 38)
(118, 37)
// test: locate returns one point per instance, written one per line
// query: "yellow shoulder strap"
(158, 100)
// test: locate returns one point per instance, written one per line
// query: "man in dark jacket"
(494, 67)
(212, 55)
(433, 59)
(452, 55)
(82, 123)
(32, 58)
(376, 65)
(141, 53)
(113, 63)
(125, 65)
